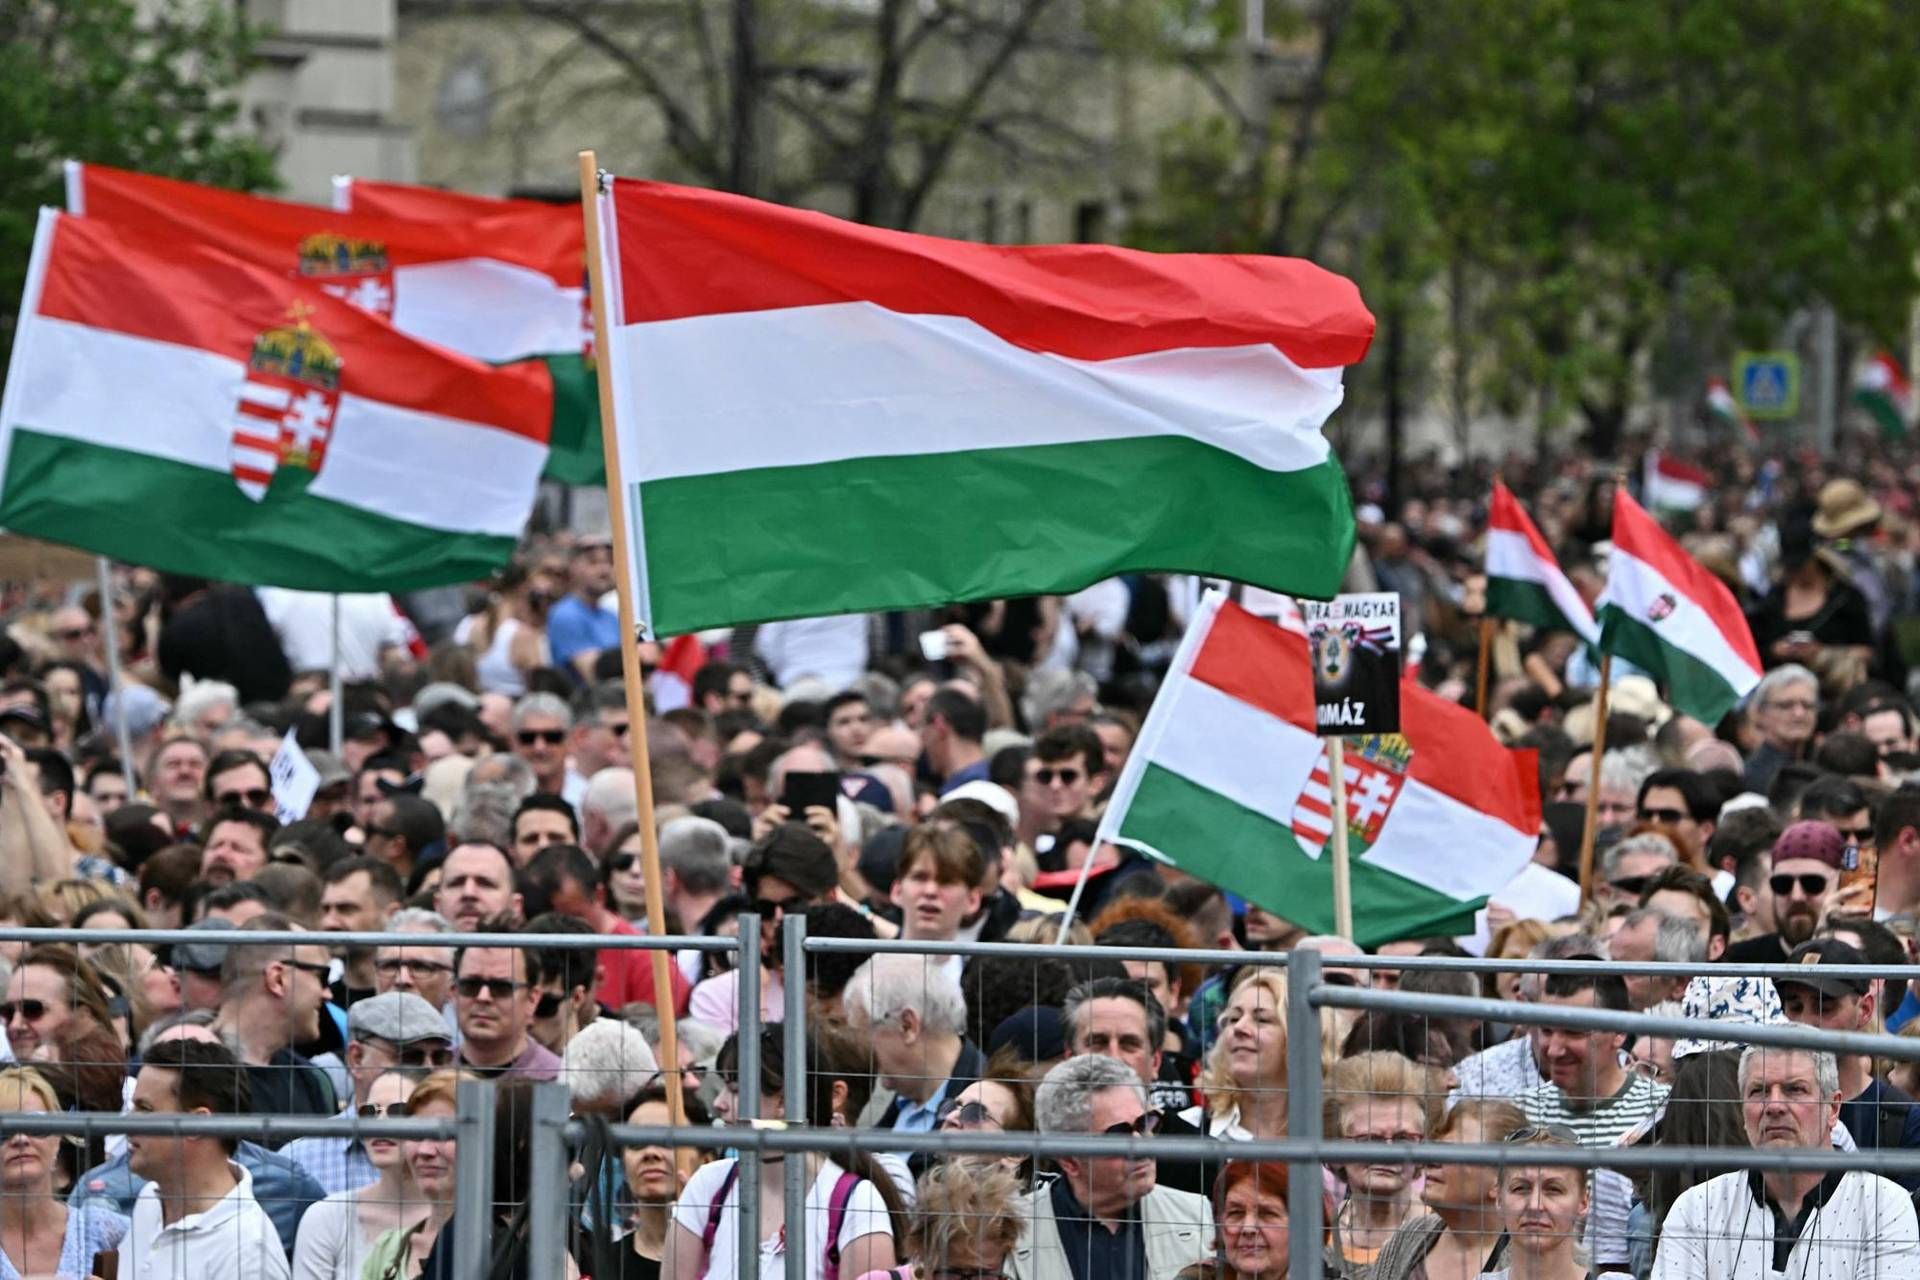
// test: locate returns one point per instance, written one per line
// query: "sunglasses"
(623, 861)
(31, 1010)
(1339, 979)
(418, 966)
(500, 989)
(320, 971)
(415, 1056)
(1672, 817)
(1857, 835)
(1067, 777)
(1811, 883)
(548, 1004)
(965, 1115)
(767, 910)
(383, 1110)
(1148, 1123)
(1632, 886)
(255, 797)
(552, 737)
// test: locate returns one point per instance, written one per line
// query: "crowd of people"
(937, 776)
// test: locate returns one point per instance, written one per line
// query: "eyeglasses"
(414, 1055)
(383, 1110)
(255, 797)
(73, 633)
(552, 737)
(965, 1115)
(1812, 884)
(1337, 979)
(499, 988)
(418, 966)
(1148, 1123)
(1408, 1137)
(31, 1010)
(619, 730)
(1067, 777)
(1632, 886)
(1793, 704)
(1672, 817)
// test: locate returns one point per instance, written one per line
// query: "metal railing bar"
(375, 938)
(109, 1123)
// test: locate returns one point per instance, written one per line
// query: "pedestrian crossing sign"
(1767, 383)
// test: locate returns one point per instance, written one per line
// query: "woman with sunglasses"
(399, 1252)
(966, 1220)
(50, 985)
(1460, 1238)
(1001, 1103)
(1541, 1208)
(40, 1235)
(339, 1233)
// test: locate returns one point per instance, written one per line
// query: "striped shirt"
(1603, 1124)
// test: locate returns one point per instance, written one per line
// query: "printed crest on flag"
(353, 270)
(287, 405)
(1375, 769)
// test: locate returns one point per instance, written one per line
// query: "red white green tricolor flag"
(172, 406)
(1664, 612)
(1883, 391)
(818, 417)
(1725, 409)
(498, 287)
(1524, 581)
(578, 456)
(1673, 485)
(1228, 782)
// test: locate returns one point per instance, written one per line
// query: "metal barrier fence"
(555, 1132)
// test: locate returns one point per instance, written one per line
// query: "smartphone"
(933, 645)
(1861, 867)
(802, 791)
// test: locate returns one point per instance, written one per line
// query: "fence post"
(746, 1093)
(1303, 1114)
(549, 1198)
(793, 1171)
(473, 1180)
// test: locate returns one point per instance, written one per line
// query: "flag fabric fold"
(578, 456)
(1666, 613)
(879, 420)
(172, 406)
(1524, 580)
(1672, 485)
(1882, 389)
(1228, 782)
(1725, 409)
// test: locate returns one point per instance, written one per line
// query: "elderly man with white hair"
(1784, 709)
(1804, 1224)
(1105, 1217)
(606, 1064)
(913, 1009)
(608, 805)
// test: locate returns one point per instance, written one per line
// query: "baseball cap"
(792, 853)
(25, 715)
(331, 771)
(1826, 951)
(202, 957)
(1037, 1033)
(398, 1017)
(1814, 841)
(991, 794)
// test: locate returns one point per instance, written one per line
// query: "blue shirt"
(918, 1117)
(338, 1164)
(1093, 1252)
(574, 627)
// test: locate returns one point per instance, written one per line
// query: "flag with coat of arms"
(1229, 783)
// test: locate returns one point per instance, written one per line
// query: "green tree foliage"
(91, 80)
(1566, 182)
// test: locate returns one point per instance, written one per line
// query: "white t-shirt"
(369, 624)
(866, 1214)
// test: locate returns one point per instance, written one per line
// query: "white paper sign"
(295, 780)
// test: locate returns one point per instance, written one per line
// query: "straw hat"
(1845, 508)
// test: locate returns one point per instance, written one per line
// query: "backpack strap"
(714, 1210)
(1892, 1128)
(836, 1217)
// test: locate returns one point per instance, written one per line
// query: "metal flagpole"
(336, 710)
(110, 639)
(630, 648)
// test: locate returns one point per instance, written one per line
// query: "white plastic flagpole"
(1342, 887)
(110, 640)
(336, 713)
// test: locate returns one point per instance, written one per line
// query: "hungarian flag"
(817, 417)
(1671, 485)
(501, 288)
(1524, 581)
(1228, 782)
(1883, 391)
(1723, 408)
(578, 456)
(1664, 612)
(172, 406)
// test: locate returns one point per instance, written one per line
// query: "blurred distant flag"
(1524, 580)
(893, 421)
(1882, 389)
(1673, 487)
(578, 456)
(1724, 409)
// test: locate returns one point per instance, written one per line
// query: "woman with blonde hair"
(966, 1220)
(1514, 940)
(1460, 1238)
(1541, 1207)
(40, 1235)
(1245, 1077)
(1379, 1098)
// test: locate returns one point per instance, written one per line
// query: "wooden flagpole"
(630, 649)
(1342, 884)
(1480, 679)
(1593, 783)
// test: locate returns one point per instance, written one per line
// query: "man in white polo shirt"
(196, 1219)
